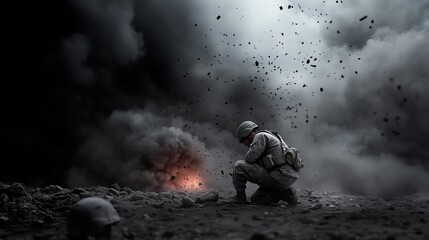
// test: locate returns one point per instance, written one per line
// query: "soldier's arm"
(256, 149)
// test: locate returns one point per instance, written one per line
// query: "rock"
(128, 190)
(152, 195)
(108, 198)
(41, 197)
(187, 202)
(316, 206)
(78, 191)
(136, 197)
(53, 189)
(114, 191)
(167, 195)
(74, 198)
(17, 190)
(211, 196)
(116, 186)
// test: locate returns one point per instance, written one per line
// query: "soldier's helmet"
(90, 217)
(245, 129)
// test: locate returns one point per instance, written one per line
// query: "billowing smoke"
(143, 151)
(350, 96)
(148, 86)
(147, 151)
(370, 133)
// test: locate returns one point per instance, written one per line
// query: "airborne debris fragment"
(363, 18)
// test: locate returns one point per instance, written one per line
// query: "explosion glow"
(188, 181)
(184, 173)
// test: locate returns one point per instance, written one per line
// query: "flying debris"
(363, 18)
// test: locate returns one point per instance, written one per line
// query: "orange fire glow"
(184, 174)
(189, 181)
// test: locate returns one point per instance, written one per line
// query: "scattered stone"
(16, 190)
(136, 197)
(114, 191)
(116, 186)
(211, 196)
(53, 189)
(128, 190)
(74, 198)
(78, 191)
(166, 195)
(316, 206)
(187, 202)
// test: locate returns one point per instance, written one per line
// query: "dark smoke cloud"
(137, 149)
(146, 151)
(140, 80)
(106, 39)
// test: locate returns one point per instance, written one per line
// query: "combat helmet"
(245, 129)
(92, 216)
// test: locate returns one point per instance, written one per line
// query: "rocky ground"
(40, 213)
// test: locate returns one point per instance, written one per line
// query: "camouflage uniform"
(270, 182)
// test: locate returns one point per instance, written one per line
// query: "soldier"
(266, 165)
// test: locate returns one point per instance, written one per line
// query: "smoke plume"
(148, 88)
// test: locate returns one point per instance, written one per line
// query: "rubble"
(211, 196)
(316, 206)
(40, 212)
(188, 202)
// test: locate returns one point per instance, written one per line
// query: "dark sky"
(96, 92)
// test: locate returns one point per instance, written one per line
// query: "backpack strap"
(276, 134)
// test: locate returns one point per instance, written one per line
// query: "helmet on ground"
(245, 129)
(90, 216)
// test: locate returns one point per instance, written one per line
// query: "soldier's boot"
(239, 198)
(264, 196)
(288, 195)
